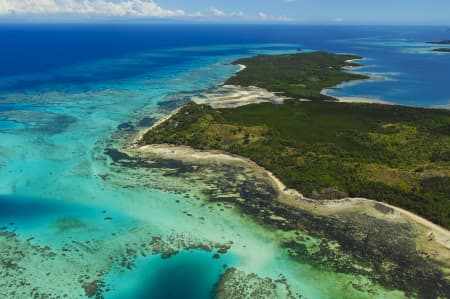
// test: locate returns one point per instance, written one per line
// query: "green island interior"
(323, 148)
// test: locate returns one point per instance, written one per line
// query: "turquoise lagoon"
(76, 217)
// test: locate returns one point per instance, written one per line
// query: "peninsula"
(322, 148)
(325, 158)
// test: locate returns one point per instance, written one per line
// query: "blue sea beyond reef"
(67, 90)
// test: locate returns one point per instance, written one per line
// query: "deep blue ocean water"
(33, 55)
(65, 90)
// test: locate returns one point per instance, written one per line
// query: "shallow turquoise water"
(55, 221)
(59, 188)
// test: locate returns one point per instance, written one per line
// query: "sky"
(433, 12)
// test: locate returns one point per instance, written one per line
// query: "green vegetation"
(396, 154)
(298, 75)
(444, 50)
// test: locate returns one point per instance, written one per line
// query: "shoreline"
(429, 231)
(293, 197)
(232, 96)
(139, 135)
(361, 100)
(242, 67)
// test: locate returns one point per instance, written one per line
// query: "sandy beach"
(231, 96)
(436, 237)
(242, 67)
(433, 238)
(362, 100)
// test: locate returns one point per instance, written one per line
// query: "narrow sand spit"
(357, 99)
(362, 100)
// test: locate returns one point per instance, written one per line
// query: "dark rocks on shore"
(382, 208)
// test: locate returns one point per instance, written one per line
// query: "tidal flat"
(366, 242)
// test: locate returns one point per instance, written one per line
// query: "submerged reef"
(235, 284)
(371, 242)
(78, 269)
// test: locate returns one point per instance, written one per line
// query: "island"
(316, 149)
(326, 149)
(443, 42)
(442, 50)
(300, 76)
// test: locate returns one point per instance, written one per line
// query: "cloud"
(219, 13)
(70, 9)
(266, 17)
(261, 16)
(131, 8)
(339, 20)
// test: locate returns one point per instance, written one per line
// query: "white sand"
(242, 67)
(138, 137)
(362, 100)
(440, 235)
(231, 96)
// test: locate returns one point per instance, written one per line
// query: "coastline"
(352, 99)
(282, 206)
(325, 91)
(232, 96)
(242, 67)
(428, 231)
(432, 239)
(361, 100)
(139, 135)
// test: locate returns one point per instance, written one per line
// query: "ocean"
(68, 93)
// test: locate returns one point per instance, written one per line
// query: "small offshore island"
(442, 50)
(330, 150)
(442, 42)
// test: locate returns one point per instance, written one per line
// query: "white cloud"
(266, 17)
(135, 8)
(262, 15)
(339, 20)
(219, 13)
(117, 8)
